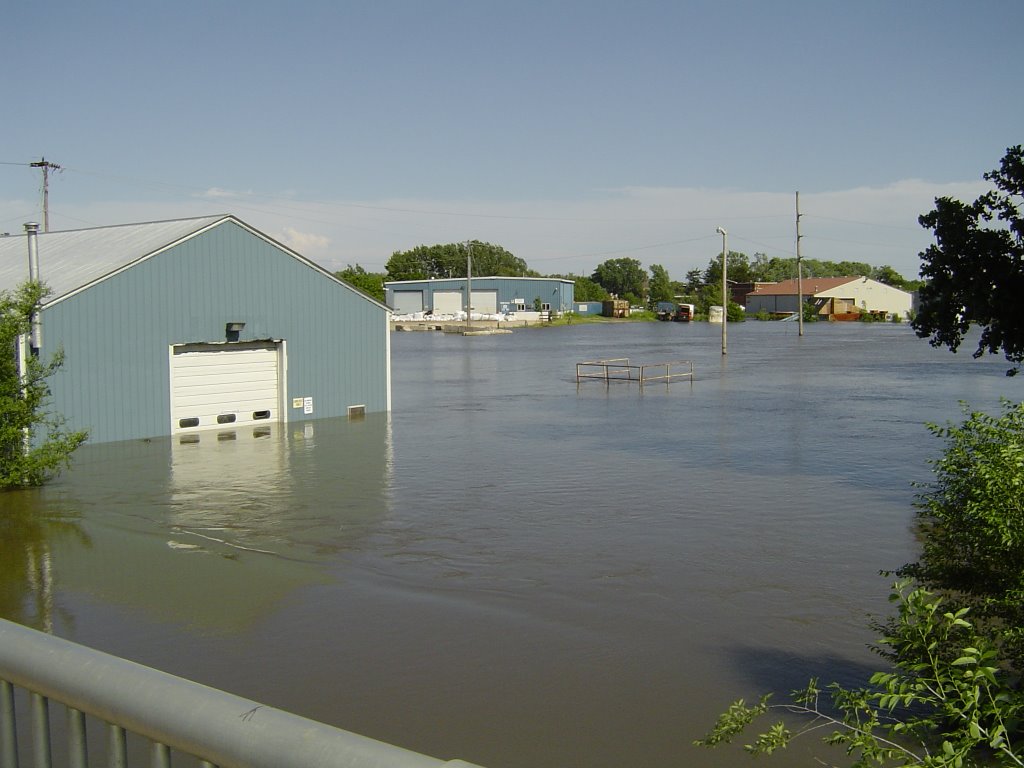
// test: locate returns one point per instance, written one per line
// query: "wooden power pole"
(47, 167)
(799, 272)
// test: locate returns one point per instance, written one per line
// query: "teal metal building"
(491, 295)
(177, 327)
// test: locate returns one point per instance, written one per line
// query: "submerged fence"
(172, 713)
(620, 369)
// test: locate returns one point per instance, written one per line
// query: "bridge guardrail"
(218, 728)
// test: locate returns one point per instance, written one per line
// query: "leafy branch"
(942, 709)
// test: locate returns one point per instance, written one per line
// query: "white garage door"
(448, 302)
(485, 302)
(407, 302)
(224, 385)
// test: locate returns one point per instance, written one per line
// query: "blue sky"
(568, 132)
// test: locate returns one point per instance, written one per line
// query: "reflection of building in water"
(229, 489)
(28, 528)
(39, 575)
(218, 528)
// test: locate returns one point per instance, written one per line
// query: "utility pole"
(469, 284)
(799, 272)
(725, 285)
(46, 166)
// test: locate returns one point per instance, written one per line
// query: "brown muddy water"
(512, 568)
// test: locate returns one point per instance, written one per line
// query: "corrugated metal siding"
(116, 334)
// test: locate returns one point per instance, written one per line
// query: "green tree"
(694, 280)
(974, 272)
(585, 289)
(370, 283)
(711, 296)
(739, 269)
(622, 277)
(852, 269)
(810, 310)
(435, 261)
(889, 276)
(33, 443)
(773, 270)
(660, 285)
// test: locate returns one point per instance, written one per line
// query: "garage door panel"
(218, 386)
(447, 302)
(408, 302)
(485, 302)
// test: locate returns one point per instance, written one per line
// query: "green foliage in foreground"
(971, 521)
(33, 444)
(954, 694)
(936, 708)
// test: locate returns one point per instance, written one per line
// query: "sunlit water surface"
(514, 568)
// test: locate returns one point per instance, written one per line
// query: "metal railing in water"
(619, 369)
(217, 728)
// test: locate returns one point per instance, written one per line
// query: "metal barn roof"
(811, 286)
(71, 259)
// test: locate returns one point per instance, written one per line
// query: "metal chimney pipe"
(32, 230)
(31, 233)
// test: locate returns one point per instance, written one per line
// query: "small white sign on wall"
(307, 405)
(296, 402)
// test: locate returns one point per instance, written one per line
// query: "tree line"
(624, 277)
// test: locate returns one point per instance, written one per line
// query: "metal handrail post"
(8, 728)
(78, 750)
(117, 747)
(41, 731)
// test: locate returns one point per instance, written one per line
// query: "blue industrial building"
(491, 295)
(175, 327)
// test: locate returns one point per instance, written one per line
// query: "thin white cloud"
(671, 226)
(307, 243)
(217, 193)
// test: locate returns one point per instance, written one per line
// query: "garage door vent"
(226, 418)
(257, 415)
(193, 422)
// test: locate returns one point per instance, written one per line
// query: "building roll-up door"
(448, 302)
(407, 302)
(224, 385)
(485, 302)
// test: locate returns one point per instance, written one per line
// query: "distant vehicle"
(683, 313)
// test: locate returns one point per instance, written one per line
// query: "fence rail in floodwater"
(620, 369)
(217, 728)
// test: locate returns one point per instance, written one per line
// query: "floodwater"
(516, 569)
